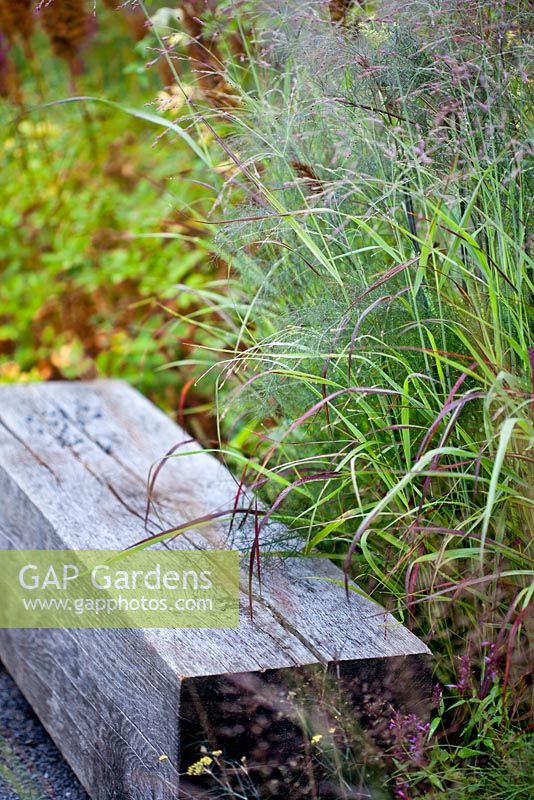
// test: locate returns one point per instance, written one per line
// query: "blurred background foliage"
(102, 245)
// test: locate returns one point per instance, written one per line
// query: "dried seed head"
(204, 54)
(9, 81)
(307, 174)
(16, 17)
(7, 20)
(339, 9)
(23, 11)
(67, 24)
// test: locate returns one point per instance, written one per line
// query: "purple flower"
(464, 678)
(410, 738)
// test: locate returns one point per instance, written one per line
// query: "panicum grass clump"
(378, 371)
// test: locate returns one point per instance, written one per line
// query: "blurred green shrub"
(100, 219)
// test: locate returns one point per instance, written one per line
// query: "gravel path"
(31, 767)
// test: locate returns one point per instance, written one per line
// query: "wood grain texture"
(74, 461)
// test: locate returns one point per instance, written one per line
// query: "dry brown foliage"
(204, 54)
(67, 24)
(339, 9)
(16, 17)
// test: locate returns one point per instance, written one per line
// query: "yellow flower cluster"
(174, 98)
(374, 34)
(199, 767)
(39, 130)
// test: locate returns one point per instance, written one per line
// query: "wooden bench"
(122, 705)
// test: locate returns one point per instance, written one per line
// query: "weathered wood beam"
(74, 460)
